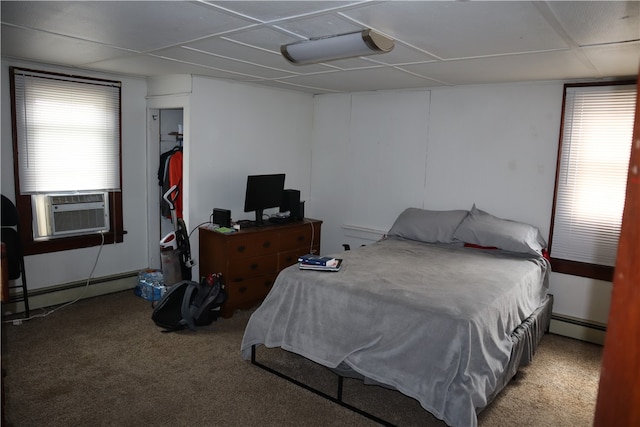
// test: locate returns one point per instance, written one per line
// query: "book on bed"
(312, 259)
(333, 266)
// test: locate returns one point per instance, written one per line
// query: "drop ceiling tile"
(615, 61)
(134, 25)
(402, 54)
(362, 80)
(462, 29)
(263, 37)
(228, 65)
(88, 34)
(266, 11)
(598, 22)
(147, 65)
(347, 64)
(284, 84)
(271, 58)
(328, 24)
(531, 67)
(42, 47)
(227, 48)
(269, 39)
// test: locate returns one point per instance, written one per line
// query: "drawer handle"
(289, 259)
(266, 244)
(241, 248)
(267, 283)
(242, 289)
(253, 266)
(301, 238)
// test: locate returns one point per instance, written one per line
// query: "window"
(591, 178)
(67, 145)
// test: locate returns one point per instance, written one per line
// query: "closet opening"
(165, 145)
(169, 164)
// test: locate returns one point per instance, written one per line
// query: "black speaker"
(222, 217)
(290, 202)
(297, 214)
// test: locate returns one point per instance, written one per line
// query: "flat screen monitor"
(263, 192)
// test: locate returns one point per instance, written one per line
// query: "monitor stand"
(259, 220)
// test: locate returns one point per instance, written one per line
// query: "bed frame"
(338, 395)
(526, 338)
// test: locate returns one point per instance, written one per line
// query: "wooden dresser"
(250, 259)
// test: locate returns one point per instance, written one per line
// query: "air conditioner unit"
(78, 213)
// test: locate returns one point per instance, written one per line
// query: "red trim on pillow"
(473, 245)
(545, 254)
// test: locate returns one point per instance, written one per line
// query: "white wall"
(69, 266)
(230, 131)
(237, 130)
(445, 148)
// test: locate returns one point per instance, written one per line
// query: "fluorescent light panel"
(331, 48)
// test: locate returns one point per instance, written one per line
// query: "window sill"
(582, 269)
(69, 243)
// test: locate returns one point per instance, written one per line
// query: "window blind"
(68, 133)
(595, 151)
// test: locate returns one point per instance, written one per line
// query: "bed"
(444, 309)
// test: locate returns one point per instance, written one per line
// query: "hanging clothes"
(164, 162)
(170, 173)
(175, 178)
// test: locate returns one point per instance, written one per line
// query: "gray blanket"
(433, 321)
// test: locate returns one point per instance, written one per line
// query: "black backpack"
(190, 304)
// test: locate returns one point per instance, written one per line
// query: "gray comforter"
(432, 321)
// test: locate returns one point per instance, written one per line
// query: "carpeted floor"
(103, 362)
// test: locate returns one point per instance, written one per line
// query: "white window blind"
(68, 133)
(590, 194)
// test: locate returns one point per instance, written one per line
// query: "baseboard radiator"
(572, 327)
(585, 330)
(60, 294)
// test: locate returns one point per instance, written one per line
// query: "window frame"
(558, 265)
(23, 202)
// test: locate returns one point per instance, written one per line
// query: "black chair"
(15, 259)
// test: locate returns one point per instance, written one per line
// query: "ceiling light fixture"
(330, 48)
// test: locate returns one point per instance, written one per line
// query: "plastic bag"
(150, 285)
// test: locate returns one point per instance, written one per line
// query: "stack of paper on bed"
(319, 263)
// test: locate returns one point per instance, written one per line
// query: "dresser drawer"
(299, 237)
(249, 291)
(251, 245)
(244, 268)
(285, 259)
